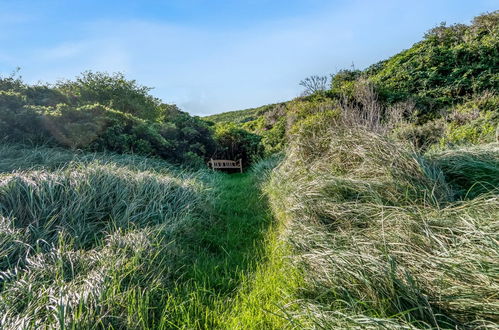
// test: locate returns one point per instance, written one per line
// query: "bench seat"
(225, 163)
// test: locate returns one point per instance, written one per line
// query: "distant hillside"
(449, 65)
(239, 116)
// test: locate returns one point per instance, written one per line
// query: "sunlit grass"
(364, 232)
(383, 239)
(101, 240)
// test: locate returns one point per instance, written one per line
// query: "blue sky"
(214, 56)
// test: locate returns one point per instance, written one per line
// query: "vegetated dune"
(94, 242)
(100, 240)
(383, 192)
(386, 237)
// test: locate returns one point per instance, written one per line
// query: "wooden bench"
(223, 163)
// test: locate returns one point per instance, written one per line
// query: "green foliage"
(343, 82)
(235, 143)
(450, 64)
(240, 116)
(102, 112)
(113, 91)
(273, 140)
(473, 122)
(19, 122)
(421, 136)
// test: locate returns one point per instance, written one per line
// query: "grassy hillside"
(388, 237)
(376, 204)
(444, 88)
(239, 116)
(93, 240)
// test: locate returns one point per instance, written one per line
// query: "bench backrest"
(225, 163)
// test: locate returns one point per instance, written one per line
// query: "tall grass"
(369, 234)
(111, 241)
(472, 170)
(93, 245)
(16, 157)
(382, 236)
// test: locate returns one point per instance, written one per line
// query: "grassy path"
(228, 253)
(182, 250)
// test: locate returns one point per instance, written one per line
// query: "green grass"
(382, 234)
(350, 230)
(114, 241)
(472, 170)
(227, 249)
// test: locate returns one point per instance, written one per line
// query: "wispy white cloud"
(65, 51)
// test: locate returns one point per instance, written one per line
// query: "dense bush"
(100, 112)
(442, 88)
(235, 143)
(114, 91)
(450, 64)
(421, 136)
(473, 122)
(343, 82)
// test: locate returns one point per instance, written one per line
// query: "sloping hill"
(239, 116)
(445, 90)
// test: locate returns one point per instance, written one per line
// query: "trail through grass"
(228, 251)
(128, 242)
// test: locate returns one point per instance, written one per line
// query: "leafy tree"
(113, 91)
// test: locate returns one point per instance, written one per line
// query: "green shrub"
(473, 122)
(235, 143)
(450, 64)
(421, 136)
(19, 122)
(113, 91)
(101, 112)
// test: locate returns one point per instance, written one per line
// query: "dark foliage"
(236, 143)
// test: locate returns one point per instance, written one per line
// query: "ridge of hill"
(240, 116)
(447, 83)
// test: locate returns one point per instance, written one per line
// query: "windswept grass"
(113, 241)
(472, 170)
(93, 245)
(382, 236)
(369, 234)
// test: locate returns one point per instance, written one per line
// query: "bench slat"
(225, 163)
